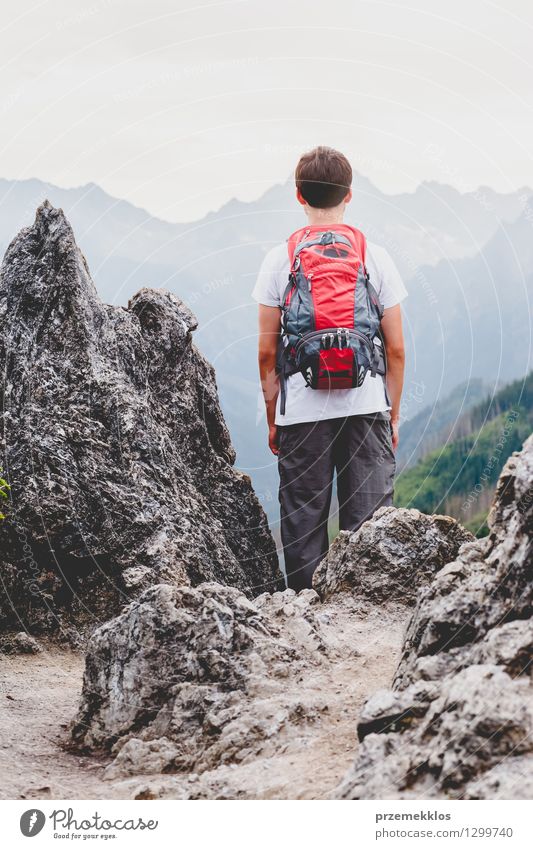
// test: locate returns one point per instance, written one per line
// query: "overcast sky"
(179, 106)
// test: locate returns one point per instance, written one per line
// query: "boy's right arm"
(269, 330)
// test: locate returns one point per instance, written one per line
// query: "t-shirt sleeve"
(391, 287)
(266, 290)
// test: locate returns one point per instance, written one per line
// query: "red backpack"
(331, 314)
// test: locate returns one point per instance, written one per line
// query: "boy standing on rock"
(331, 362)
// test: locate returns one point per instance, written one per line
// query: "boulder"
(390, 556)
(490, 582)
(112, 437)
(187, 679)
(19, 643)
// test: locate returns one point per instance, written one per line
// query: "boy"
(317, 431)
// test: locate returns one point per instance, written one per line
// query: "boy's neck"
(324, 217)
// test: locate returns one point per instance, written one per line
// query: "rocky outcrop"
(188, 679)
(191, 681)
(391, 556)
(195, 681)
(459, 720)
(111, 435)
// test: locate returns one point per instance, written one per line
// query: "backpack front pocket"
(335, 358)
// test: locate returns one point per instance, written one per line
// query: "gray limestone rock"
(187, 679)
(19, 643)
(480, 718)
(459, 719)
(112, 437)
(390, 556)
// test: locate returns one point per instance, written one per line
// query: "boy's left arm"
(269, 330)
(391, 326)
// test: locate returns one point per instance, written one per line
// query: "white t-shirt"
(304, 404)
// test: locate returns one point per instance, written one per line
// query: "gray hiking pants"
(359, 449)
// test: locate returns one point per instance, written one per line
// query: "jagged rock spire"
(114, 443)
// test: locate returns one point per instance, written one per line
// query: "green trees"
(4, 486)
(460, 477)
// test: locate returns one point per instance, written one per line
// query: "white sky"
(179, 106)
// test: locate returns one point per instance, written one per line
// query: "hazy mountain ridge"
(454, 224)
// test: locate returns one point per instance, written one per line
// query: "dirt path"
(39, 696)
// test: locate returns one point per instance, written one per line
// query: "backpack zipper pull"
(309, 282)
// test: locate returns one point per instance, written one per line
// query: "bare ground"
(39, 696)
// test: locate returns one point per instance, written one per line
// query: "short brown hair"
(324, 177)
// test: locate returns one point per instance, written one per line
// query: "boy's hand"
(395, 426)
(273, 439)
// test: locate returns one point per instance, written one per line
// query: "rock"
(187, 679)
(511, 779)
(170, 637)
(480, 717)
(390, 556)
(143, 757)
(299, 616)
(459, 719)
(389, 710)
(490, 582)
(509, 645)
(116, 449)
(20, 643)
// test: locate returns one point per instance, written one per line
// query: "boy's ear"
(300, 198)
(348, 197)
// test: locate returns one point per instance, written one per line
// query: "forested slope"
(459, 477)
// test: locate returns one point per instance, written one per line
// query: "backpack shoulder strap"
(358, 240)
(294, 240)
